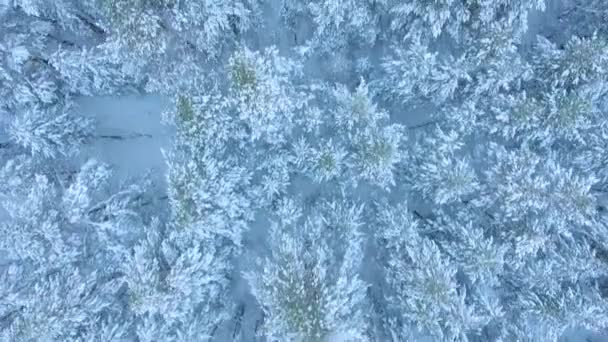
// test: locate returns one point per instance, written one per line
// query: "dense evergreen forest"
(304, 170)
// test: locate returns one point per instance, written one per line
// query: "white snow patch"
(129, 134)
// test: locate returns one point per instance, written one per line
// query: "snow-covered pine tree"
(209, 192)
(265, 93)
(268, 104)
(353, 144)
(50, 51)
(520, 137)
(425, 296)
(177, 285)
(440, 171)
(510, 246)
(580, 18)
(428, 20)
(168, 44)
(59, 250)
(50, 132)
(25, 76)
(188, 270)
(309, 287)
(339, 41)
(60, 305)
(203, 25)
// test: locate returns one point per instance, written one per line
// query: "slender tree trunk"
(238, 321)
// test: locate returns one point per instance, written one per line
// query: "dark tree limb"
(91, 25)
(124, 137)
(425, 124)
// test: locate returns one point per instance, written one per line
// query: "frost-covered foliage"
(423, 287)
(334, 25)
(57, 306)
(410, 71)
(297, 204)
(440, 172)
(353, 142)
(54, 239)
(207, 195)
(486, 65)
(582, 18)
(152, 26)
(176, 285)
(44, 61)
(266, 97)
(159, 42)
(425, 19)
(48, 134)
(25, 77)
(308, 291)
